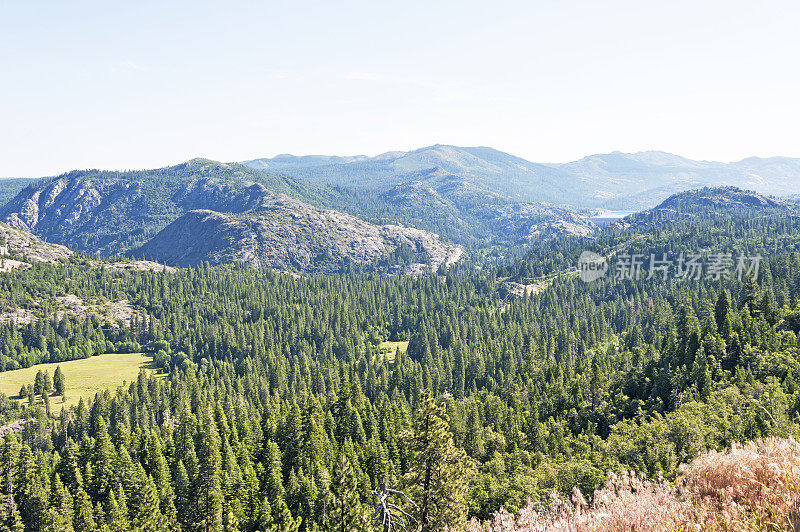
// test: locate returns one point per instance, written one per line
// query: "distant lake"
(607, 217)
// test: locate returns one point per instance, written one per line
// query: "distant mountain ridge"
(615, 180)
(465, 171)
(339, 211)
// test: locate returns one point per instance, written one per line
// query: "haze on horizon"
(95, 85)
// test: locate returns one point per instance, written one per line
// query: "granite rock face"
(287, 234)
(23, 244)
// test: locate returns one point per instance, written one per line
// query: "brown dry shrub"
(626, 502)
(751, 486)
(755, 486)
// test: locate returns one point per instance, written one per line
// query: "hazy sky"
(145, 84)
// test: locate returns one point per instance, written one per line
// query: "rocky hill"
(112, 212)
(721, 198)
(453, 206)
(708, 202)
(290, 235)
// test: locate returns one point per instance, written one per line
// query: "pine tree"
(39, 383)
(143, 506)
(59, 382)
(84, 513)
(274, 478)
(103, 458)
(117, 511)
(722, 311)
(183, 495)
(208, 493)
(438, 476)
(344, 511)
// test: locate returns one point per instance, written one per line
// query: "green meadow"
(84, 377)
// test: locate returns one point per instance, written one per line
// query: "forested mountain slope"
(10, 187)
(280, 407)
(110, 212)
(116, 212)
(697, 221)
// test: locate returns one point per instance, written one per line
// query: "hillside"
(275, 380)
(708, 203)
(111, 212)
(466, 174)
(289, 235)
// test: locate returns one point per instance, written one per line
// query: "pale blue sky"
(146, 84)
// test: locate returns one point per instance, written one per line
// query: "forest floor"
(83, 377)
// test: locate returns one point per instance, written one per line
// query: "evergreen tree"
(438, 470)
(207, 490)
(345, 511)
(59, 382)
(84, 513)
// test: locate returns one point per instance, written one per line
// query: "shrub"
(755, 486)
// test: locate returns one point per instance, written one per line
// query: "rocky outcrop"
(15, 426)
(23, 244)
(287, 234)
(530, 222)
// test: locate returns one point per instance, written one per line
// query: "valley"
(292, 346)
(416, 267)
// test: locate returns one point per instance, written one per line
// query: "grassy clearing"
(388, 349)
(83, 377)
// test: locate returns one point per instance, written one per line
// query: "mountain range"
(629, 181)
(399, 211)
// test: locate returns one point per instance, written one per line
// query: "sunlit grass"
(83, 377)
(389, 349)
